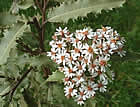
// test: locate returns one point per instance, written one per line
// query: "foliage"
(41, 89)
(73, 9)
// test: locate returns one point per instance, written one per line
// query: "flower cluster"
(84, 57)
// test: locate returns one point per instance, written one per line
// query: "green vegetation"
(21, 51)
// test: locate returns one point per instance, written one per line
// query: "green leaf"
(8, 41)
(56, 77)
(22, 102)
(7, 19)
(26, 4)
(17, 4)
(5, 90)
(72, 9)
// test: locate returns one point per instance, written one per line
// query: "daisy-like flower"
(79, 35)
(120, 51)
(90, 89)
(67, 81)
(101, 75)
(70, 59)
(54, 37)
(52, 54)
(86, 60)
(88, 51)
(78, 79)
(52, 43)
(61, 57)
(61, 31)
(87, 33)
(70, 91)
(81, 94)
(93, 67)
(102, 60)
(80, 101)
(102, 85)
(59, 45)
(70, 70)
(77, 49)
(100, 46)
(69, 37)
(81, 67)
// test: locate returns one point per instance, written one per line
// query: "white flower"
(90, 89)
(61, 31)
(79, 34)
(87, 34)
(67, 81)
(86, 60)
(102, 75)
(121, 52)
(79, 101)
(54, 37)
(52, 43)
(78, 79)
(88, 51)
(52, 54)
(81, 67)
(70, 71)
(102, 85)
(69, 37)
(70, 91)
(102, 60)
(59, 45)
(61, 57)
(70, 59)
(77, 49)
(81, 93)
(100, 46)
(93, 67)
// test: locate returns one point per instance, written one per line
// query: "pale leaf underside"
(8, 19)
(8, 41)
(71, 9)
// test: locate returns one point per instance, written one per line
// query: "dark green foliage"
(124, 91)
(5, 5)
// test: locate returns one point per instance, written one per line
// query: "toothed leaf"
(73, 9)
(8, 41)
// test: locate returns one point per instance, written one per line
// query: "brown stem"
(2, 76)
(43, 25)
(11, 92)
(41, 29)
(37, 3)
(37, 24)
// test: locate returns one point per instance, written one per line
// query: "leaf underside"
(71, 9)
(7, 19)
(8, 41)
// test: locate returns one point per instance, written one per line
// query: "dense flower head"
(84, 57)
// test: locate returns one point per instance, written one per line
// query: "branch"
(41, 28)
(37, 3)
(11, 92)
(37, 24)
(27, 49)
(2, 76)
(43, 21)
